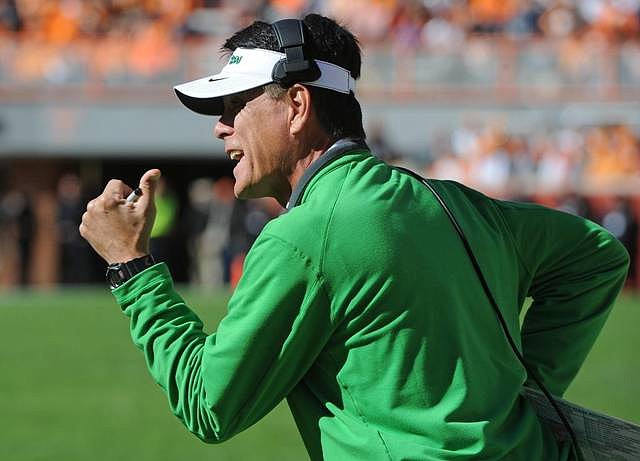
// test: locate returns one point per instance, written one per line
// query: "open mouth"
(235, 154)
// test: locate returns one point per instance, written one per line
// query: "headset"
(294, 67)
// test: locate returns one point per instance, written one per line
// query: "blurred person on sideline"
(621, 221)
(75, 263)
(359, 303)
(195, 218)
(164, 225)
(17, 228)
(207, 220)
(248, 218)
(379, 143)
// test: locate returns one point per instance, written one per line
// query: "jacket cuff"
(141, 283)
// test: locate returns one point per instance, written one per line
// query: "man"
(359, 304)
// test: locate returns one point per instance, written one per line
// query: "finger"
(110, 198)
(101, 203)
(148, 184)
(83, 226)
(109, 202)
(91, 204)
(116, 189)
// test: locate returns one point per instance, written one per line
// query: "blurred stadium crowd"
(408, 22)
(577, 159)
(590, 169)
(142, 38)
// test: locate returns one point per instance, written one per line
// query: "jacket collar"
(337, 149)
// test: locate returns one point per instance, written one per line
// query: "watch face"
(115, 275)
(118, 273)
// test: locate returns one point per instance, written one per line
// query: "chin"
(245, 193)
(252, 193)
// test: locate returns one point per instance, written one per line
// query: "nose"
(222, 128)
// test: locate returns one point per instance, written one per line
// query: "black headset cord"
(498, 313)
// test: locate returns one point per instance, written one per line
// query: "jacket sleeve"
(277, 322)
(575, 269)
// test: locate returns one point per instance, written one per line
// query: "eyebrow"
(242, 97)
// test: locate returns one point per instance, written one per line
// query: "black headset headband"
(294, 67)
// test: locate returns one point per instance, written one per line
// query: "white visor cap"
(250, 68)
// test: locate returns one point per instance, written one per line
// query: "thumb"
(148, 183)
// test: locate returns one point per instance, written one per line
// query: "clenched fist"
(119, 230)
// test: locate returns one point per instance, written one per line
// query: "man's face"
(255, 132)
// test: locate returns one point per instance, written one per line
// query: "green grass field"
(73, 386)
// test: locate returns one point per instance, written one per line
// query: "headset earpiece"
(294, 67)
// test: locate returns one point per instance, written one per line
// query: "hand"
(117, 230)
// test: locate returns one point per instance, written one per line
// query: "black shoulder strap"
(496, 308)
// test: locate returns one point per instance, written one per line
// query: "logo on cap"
(235, 59)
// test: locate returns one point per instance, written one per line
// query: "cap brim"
(204, 95)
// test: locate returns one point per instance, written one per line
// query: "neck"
(303, 164)
(311, 153)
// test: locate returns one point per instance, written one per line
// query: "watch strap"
(119, 273)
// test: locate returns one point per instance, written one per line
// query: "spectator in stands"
(442, 31)
(612, 153)
(490, 16)
(10, 20)
(490, 166)
(143, 37)
(407, 25)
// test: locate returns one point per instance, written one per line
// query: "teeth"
(235, 154)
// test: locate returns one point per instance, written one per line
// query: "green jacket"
(360, 306)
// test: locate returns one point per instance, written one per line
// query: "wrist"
(118, 273)
(125, 257)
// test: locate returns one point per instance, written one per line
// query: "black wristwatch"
(118, 273)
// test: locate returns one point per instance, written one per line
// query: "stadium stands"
(522, 99)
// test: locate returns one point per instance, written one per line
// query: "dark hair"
(339, 114)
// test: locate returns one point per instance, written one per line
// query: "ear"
(300, 110)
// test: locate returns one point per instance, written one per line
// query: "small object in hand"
(135, 195)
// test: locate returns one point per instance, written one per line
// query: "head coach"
(360, 305)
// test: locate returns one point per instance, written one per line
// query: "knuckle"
(109, 202)
(114, 186)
